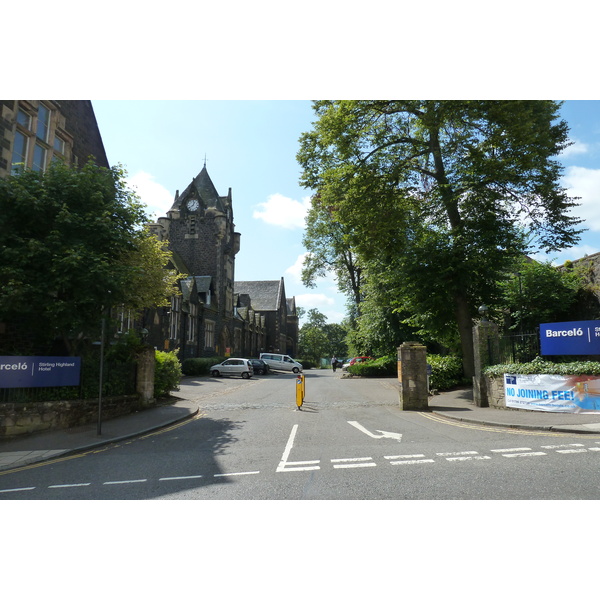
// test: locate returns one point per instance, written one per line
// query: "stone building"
(210, 318)
(281, 320)
(33, 133)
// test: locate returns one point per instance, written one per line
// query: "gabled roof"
(202, 188)
(264, 295)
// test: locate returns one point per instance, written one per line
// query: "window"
(174, 317)
(43, 123)
(59, 144)
(39, 158)
(209, 334)
(23, 119)
(192, 318)
(19, 156)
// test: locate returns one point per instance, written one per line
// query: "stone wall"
(33, 417)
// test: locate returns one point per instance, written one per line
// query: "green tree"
(318, 339)
(441, 196)
(73, 244)
(329, 251)
(539, 292)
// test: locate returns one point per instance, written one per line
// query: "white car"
(233, 366)
(281, 362)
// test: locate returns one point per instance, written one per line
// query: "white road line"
(571, 451)
(466, 452)
(454, 458)
(562, 446)
(412, 462)
(511, 450)
(68, 485)
(126, 481)
(183, 477)
(286, 453)
(17, 490)
(352, 463)
(404, 456)
(594, 449)
(233, 474)
(525, 454)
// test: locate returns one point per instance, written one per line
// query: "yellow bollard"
(299, 390)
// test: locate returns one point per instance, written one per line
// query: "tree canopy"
(438, 198)
(72, 245)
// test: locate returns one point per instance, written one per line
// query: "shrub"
(446, 371)
(308, 363)
(199, 366)
(544, 367)
(380, 367)
(167, 372)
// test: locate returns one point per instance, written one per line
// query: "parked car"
(353, 361)
(260, 366)
(281, 362)
(233, 366)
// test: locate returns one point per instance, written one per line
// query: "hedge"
(540, 366)
(200, 366)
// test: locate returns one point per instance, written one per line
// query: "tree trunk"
(465, 330)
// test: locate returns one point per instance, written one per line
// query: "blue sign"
(572, 337)
(39, 371)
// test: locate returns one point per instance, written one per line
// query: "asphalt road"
(350, 441)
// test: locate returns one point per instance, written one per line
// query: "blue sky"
(251, 145)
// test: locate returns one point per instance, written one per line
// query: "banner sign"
(39, 371)
(553, 393)
(572, 337)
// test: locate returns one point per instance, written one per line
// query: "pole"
(99, 428)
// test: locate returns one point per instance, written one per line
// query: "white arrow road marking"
(384, 434)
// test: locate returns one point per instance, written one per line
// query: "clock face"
(193, 204)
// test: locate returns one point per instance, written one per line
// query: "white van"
(281, 362)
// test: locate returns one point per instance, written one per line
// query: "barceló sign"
(39, 371)
(571, 337)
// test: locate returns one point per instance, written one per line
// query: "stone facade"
(213, 317)
(36, 132)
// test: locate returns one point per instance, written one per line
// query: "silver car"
(233, 366)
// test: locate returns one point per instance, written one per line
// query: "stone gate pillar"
(145, 375)
(412, 376)
(486, 349)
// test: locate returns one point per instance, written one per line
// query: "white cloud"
(574, 149)
(158, 199)
(283, 212)
(323, 303)
(296, 269)
(585, 183)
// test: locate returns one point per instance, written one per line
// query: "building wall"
(71, 134)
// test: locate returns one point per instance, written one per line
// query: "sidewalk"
(457, 404)
(39, 447)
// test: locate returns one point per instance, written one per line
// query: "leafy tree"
(539, 292)
(441, 196)
(329, 250)
(73, 244)
(318, 339)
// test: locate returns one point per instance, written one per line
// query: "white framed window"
(39, 158)
(43, 123)
(59, 144)
(19, 155)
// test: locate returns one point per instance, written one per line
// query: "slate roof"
(264, 295)
(202, 188)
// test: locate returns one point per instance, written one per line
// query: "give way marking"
(384, 434)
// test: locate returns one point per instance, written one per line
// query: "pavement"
(456, 404)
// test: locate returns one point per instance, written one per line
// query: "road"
(350, 441)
